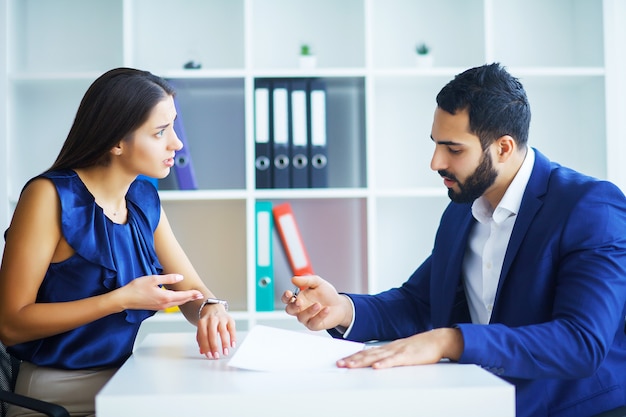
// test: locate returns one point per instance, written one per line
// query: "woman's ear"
(117, 149)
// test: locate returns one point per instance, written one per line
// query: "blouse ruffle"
(85, 227)
(107, 256)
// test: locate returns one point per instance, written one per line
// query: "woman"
(89, 249)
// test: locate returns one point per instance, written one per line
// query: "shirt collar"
(512, 199)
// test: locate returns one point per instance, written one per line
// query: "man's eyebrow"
(446, 142)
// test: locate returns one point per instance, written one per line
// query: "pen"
(295, 295)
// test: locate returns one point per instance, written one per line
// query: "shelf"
(40, 118)
(404, 237)
(334, 231)
(244, 320)
(376, 221)
(212, 112)
(213, 234)
(334, 30)
(564, 108)
(201, 195)
(399, 25)
(85, 36)
(311, 193)
(165, 34)
(557, 33)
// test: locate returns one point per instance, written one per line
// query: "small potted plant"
(423, 55)
(307, 59)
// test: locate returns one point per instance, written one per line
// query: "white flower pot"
(424, 61)
(308, 61)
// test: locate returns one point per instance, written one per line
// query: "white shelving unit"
(376, 221)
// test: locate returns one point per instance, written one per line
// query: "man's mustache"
(447, 174)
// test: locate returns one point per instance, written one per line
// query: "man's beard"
(476, 184)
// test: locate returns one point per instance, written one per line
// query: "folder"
(264, 254)
(318, 156)
(185, 174)
(299, 135)
(290, 237)
(262, 123)
(280, 134)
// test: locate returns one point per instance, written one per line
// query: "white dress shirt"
(488, 241)
(486, 246)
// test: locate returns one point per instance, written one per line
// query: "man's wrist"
(452, 343)
(346, 325)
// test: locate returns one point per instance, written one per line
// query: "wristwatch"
(212, 301)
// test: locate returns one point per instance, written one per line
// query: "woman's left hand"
(216, 331)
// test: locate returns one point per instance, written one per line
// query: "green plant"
(422, 49)
(305, 50)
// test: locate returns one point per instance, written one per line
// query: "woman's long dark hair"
(114, 106)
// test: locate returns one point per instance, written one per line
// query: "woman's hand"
(216, 331)
(146, 293)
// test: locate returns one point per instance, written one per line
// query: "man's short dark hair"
(495, 100)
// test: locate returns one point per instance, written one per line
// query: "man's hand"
(420, 349)
(318, 305)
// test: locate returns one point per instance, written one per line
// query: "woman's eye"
(160, 133)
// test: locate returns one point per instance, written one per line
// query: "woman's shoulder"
(59, 174)
(70, 188)
(38, 188)
(58, 179)
(37, 205)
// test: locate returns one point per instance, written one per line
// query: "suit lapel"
(531, 203)
(452, 306)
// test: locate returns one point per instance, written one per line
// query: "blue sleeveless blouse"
(107, 256)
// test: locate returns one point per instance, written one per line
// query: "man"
(527, 277)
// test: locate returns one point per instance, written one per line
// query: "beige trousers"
(74, 390)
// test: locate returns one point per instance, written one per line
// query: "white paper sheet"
(270, 349)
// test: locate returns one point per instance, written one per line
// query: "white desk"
(166, 376)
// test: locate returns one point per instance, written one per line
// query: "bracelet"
(211, 301)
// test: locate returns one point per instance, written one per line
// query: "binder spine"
(264, 256)
(262, 126)
(280, 134)
(299, 135)
(317, 123)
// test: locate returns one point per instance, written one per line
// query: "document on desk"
(277, 350)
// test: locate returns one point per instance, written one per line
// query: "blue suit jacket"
(557, 327)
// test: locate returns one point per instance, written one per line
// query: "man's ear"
(505, 146)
